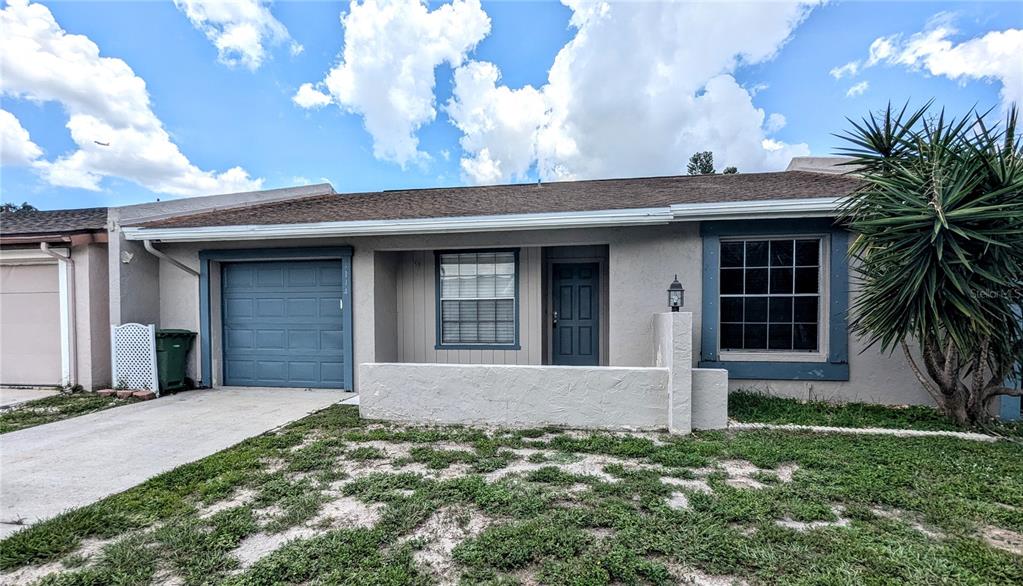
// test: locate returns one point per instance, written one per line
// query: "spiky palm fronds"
(939, 246)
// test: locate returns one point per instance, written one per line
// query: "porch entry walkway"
(54, 467)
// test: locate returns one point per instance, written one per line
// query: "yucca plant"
(939, 249)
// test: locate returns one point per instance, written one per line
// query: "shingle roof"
(53, 221)
(565, 196)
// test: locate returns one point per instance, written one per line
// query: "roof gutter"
(789, 208)
(744, 210)
(559, 220)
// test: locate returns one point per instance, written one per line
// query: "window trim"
(438, 341)
(823, 306)
(836, 367)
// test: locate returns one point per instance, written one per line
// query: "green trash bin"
(172, 348)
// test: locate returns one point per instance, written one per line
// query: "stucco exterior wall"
(709, 398)
(515, 396)
(179, 294)
(36, 346)
(673, 349)
(92, 315)
(641, 263)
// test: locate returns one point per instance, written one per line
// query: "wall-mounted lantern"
(676, 295)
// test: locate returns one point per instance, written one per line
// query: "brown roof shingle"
(565, 196)
(53, 221)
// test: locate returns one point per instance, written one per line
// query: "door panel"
(576, 335)
(30, 352)
(284, 325)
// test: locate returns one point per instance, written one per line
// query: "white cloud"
(849, 69)
(239, 29)
(310, 97)
(995, 56)
(998, 55)
(386, 73)
(106, 103)
(498, 124)
(857, 89)
(775, 122)
(16, 146)
(882, 48)
(639, 88)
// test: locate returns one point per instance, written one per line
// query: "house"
(54, 324)
(299, 289)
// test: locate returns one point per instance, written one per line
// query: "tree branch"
(932, 390)
(948, 360)
(979, 365)
(1001, 392)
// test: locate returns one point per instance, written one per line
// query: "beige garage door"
(29, 325)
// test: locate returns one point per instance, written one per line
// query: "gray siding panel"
(417, 314)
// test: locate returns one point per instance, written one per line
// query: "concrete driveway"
(14, 397)
(50, 468)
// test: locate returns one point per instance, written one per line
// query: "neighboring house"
(296, 290)
(54, 326)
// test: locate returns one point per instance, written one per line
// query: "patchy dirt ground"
(333, 499)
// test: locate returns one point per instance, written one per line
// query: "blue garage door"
(287, 324)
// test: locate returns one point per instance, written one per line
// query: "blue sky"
(642, 92)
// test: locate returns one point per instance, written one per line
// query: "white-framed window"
(772, 298)
(476, 299)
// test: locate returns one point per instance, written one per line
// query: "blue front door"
(287, 324)
(576, 305)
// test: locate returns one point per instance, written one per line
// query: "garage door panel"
(332, 371)
(271, 370)
(304, 340)
(240, 369)
(330, 276)
(332, 340)
(296, 326)
(270, 277)
(238, 339)
(307, 372)
(30, 325)
(330, 307)
(238, 307)
(238, 276)
(270, 307)
(270, 339)
(303, 307)
(302, 276)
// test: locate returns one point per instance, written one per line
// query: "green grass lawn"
(332, 499)
(748, 406)
(55, 408)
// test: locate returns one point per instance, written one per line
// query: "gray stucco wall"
(93, 315)
(641, 263)
(515, 396)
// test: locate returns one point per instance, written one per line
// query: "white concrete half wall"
(671, 395)
(515, 396)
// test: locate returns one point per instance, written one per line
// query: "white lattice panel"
(134, 356)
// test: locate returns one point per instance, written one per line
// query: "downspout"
(65, 261)
(148, 244)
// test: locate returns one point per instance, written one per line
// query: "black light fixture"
(676, 295)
